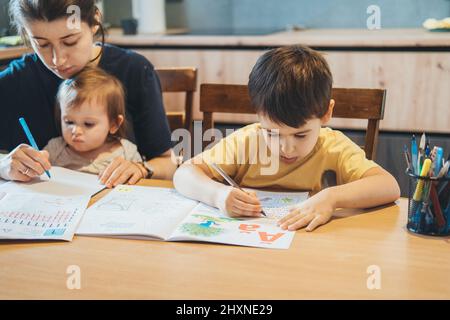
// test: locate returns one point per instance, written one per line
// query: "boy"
(290, 88)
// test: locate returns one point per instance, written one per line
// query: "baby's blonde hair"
(94, 83)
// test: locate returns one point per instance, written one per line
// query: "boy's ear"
(326, 118)
(116, 125)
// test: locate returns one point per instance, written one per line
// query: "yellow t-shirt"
(333, 151)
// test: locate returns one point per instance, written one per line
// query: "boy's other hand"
(243, 204)
(312, 213)
(24, 163)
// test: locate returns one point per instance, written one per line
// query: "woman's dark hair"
(291, 85)
(21, 11)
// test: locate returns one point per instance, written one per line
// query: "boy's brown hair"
(93, 83)
(291, 85)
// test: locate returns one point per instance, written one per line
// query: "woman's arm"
(150, 124)
(146, 117)
(130, 170)
(163, 166)
(24, 92)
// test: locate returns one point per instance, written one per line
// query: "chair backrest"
(179, 80)
(351, 103)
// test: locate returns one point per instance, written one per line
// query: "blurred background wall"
(277, 14)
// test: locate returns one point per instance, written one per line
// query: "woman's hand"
(24, 163)
(242, 204)
(312, 213)
(121, 171)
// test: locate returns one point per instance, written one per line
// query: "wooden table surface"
(330, 263)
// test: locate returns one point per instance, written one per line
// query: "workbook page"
(134, 212)
(277, 204)
(207, 224)
(40, 217)
(63, 182)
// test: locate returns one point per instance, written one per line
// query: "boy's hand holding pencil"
(243, 204)
(237, 201)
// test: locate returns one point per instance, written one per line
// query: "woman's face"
(64, 50)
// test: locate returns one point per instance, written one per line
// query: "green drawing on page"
(215, 219)
(287, 200)
(204, 229)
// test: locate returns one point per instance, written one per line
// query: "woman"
(63, 44)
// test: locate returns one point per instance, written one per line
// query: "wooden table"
(330, 263)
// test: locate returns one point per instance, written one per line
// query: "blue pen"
(438, 160)
(30, 138)
(427, 150)
(414, 154)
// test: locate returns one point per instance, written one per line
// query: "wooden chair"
(179, 80)
(350, 103)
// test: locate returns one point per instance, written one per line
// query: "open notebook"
(46, 209)
(160, 213)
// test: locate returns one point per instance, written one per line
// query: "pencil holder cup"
(429, 205)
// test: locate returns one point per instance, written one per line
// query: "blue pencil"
(438, 160)
(31, 138)
(414, 155)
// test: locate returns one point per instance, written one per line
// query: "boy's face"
(295, 143)
(86, 127)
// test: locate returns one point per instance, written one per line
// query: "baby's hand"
(314, 212)
(242, 204)
(121, 171)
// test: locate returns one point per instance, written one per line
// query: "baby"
(91, 108)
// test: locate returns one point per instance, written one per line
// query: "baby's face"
(294, 143)
(85, 127)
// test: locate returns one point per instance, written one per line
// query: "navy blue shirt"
(28, 89)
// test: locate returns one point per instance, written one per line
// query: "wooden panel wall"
(417, 83)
